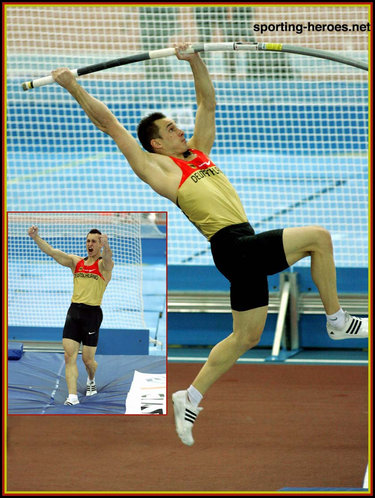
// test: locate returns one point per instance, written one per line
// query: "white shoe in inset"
(91, 389)
(67, 402)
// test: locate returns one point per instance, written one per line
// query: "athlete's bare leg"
(71, 349)
(316, 242)
(247, 330)
(88, 358)
(248, 326)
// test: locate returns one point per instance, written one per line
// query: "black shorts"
(245, 259)
(82, 324)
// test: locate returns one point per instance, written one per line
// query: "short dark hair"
(94, 230)
(147, 130)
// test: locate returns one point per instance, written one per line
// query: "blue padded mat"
(36, 383)
(15, 351)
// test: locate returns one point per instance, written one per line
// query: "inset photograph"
(87, 313)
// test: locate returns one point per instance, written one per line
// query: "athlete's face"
(93, 245)
(172, 140)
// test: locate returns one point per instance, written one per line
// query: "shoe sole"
(338, 337)
(347, 337)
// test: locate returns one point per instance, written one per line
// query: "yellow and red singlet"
(89, 284)
(206, 196)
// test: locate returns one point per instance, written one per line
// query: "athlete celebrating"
(90, 278)
(181, 171)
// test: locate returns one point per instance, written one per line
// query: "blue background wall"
(281, 110)
(209, 328)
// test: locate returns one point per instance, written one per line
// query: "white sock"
(194, 396)
(337, 319)
(73, 397)
(90, 381)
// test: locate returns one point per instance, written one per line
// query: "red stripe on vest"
(188, 167)
(82, 268)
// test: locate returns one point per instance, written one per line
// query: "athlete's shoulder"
(76, 259)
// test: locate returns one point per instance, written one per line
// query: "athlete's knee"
(248, 342)
(89, 361)
(247, 337)
(323, 239)
(70, 356)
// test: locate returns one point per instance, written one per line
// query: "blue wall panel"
(111, 341)
(210, 328)
(207, 329)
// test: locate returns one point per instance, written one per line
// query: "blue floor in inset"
(36, 383)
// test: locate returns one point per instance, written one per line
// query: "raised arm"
(60, 257)
(103, 119)
(107, 261)
(204, 130)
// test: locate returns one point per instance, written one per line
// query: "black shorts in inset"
(245, 259)
(82, 324)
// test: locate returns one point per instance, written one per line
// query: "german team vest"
(206, 196)
(89, 284)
